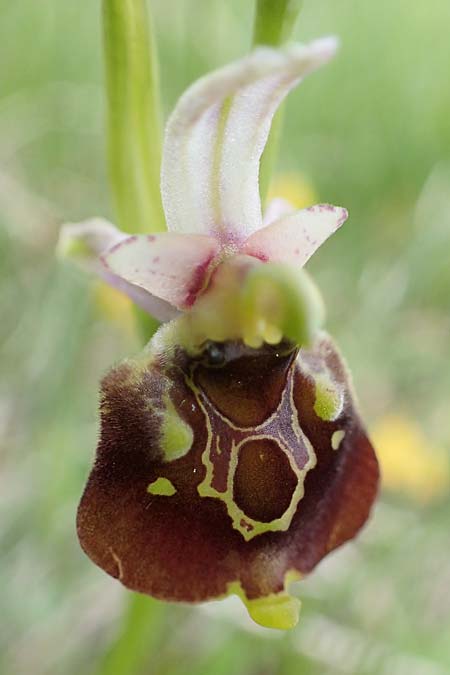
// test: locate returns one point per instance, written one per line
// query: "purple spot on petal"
(123, 242)
(343, 217)
(259, 255)
(226, 237)
(198, 280)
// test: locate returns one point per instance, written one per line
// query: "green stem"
(145, 323)
(274, 21)
(134, 118)
(134, 147)
(134, 122)
(141, 630)
(273, 25)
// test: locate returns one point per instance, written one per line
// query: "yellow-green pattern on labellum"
(231, 457)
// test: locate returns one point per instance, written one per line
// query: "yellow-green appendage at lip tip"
(277, 610)
(280, 611)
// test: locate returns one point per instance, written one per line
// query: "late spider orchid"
(231, 458)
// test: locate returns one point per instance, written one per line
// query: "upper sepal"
(216, 135)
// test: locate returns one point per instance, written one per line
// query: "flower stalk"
(273, 25)
(134, 122)
(274, 21)
(134, 114)
(139, 633)
(134, 151)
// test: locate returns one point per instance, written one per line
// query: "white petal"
(276, 208)
(173, 267)
(216, 135)
(160, 309)
(85, 242)
(294, 238)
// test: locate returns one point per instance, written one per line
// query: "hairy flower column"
(231, 458)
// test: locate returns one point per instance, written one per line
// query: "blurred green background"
(371, 132)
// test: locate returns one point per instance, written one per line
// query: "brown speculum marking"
(259, 489)
(263, 482)
(257, 455)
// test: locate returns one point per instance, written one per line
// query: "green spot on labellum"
(176, 436)
(329, 399)
(162, 486)
(337, 439)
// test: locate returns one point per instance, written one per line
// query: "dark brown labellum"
(231, 469)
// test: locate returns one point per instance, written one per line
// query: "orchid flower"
(231, 458)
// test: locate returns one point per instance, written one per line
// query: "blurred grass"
(371, 132)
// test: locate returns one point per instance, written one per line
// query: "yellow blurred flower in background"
(115, 307)
(410, 464)
(295, 188)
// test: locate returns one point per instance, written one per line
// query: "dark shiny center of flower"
(214, 354)
(243, 384)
